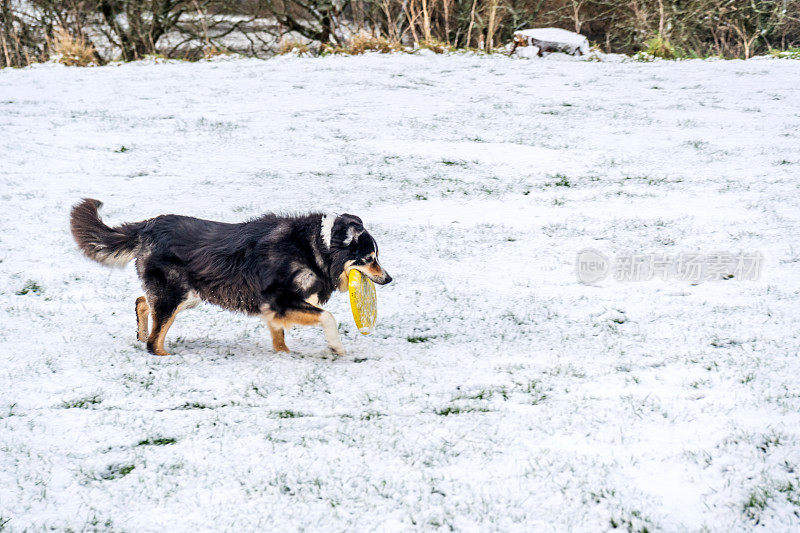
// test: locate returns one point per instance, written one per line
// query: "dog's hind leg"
(278, 337)
(142, 318)
(161, 324)
(165, 304)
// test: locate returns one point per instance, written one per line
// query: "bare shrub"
(73, 51)
(23, 37)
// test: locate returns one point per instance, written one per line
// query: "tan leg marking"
(142, 315)
(325, 319)
(298, 318)
(307, 318)
(159, 333)
(278, 339)
(275, 329)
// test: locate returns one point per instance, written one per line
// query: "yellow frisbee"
(363, 301)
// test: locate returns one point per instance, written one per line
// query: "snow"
(568, 40)
(497, 392)
(527, 52)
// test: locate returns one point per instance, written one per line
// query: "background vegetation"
(86, 31)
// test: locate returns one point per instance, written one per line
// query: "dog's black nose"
(387, 279)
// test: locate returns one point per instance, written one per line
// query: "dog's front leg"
(304, 315)
(331, 333)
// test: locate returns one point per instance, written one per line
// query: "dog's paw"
(338, 351)
(157, 351)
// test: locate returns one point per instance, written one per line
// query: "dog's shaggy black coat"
(270, 264)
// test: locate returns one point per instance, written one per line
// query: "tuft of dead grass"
(293, 47)
(362, 43)
(436, 46)
(73, 51)
(210, 52)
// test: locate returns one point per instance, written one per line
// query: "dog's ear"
(351, 228)
(348, 218)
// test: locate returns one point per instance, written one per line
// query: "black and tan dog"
(281, 268)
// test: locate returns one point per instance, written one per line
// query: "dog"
(279, 268)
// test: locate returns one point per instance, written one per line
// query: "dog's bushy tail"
(109, 246)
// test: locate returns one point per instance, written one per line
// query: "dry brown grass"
(363, 42)
(73, 51)
(210, 52)
(296, 47)
(436, 46)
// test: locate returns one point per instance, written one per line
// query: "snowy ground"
(497, 393)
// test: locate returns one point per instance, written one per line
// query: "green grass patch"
(769, 441)
(697, 144)
(82, 403)
(659, 46)
(194, 405)
(288, 413)
(483, 394)
(560, 180)
(117, 472)
(456, 410)
(418, 339)
(791, 53)
(633, 522)
(30, 287)
(755, 504)
(791, 491)
(161, 441)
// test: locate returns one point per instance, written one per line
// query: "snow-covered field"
(497, 393)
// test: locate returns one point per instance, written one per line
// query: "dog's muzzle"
(383, 280)
(376, 273)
